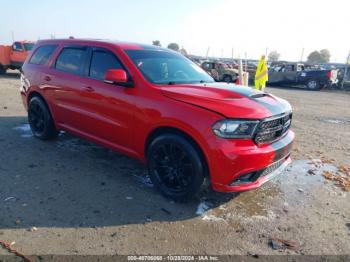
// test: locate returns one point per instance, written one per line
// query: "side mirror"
(117, 76)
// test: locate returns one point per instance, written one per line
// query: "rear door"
(67, 88)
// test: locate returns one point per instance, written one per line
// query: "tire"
(227, 79)
(40, 120)
(176, 167)
(2, 70)
(313, 85)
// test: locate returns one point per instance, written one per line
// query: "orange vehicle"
(12, 57)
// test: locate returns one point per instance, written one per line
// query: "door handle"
(89, 89)
(47, 78)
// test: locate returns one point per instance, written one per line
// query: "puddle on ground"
(339, 121)
(202, 208)
(75, 144)
(24, 130)
(144, 180)
(294, 185)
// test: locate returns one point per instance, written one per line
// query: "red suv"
(155, 105)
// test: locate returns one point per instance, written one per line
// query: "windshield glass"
(163, 67)
(28, 46)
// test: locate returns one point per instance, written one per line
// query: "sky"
(246, 27)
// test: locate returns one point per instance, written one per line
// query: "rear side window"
(72, 60)
(102, 61)
(42, 54)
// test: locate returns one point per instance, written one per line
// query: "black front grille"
(272, 129)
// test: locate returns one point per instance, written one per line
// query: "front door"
(111, 107)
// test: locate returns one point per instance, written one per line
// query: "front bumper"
(257, 183)
(259, 163)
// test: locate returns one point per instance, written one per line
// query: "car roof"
(121, 44)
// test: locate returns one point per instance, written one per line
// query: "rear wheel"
(40, 119)
(313, 85)
(176, 167)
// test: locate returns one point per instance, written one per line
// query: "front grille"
(272, 129)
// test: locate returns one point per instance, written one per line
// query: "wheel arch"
(173, 130)
(37, 94)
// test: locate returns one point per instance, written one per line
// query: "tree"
(326, 55)
(183, 51)
(156, 43)
(274, 56)
(316, 57)
(174, 46)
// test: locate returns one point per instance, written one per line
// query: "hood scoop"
(258, 95)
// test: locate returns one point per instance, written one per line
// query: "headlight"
(228, 128)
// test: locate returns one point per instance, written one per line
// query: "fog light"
(245, 179)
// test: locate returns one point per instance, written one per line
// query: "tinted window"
(42, 54)
(72, 60)
(102, 61)
(28, 46)
(165, 67)
(17, 46)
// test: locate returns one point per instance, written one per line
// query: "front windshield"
(28, 46)
(164, 67)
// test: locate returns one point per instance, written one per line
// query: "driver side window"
(101, 62)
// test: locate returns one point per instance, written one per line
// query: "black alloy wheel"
(40, 119)
(176, 167)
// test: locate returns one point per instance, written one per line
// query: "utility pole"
(13, 36)
(302, 55)
(232, 52)
(207, 52)
(266, 52)
(222, 53)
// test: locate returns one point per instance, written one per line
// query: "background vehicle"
(290, 74)
(159, 107)
(12, 57)
(221, 72)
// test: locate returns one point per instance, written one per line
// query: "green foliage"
(183, 51)
(156, 43)
(174, 46)
(316, 57)
(274, 56)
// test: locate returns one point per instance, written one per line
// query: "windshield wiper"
(171, 83)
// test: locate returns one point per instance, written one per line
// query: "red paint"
(122, 118)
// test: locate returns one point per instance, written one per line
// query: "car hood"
(229, 100)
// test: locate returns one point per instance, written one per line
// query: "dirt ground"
(69, 196)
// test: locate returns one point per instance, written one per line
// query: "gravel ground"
(69, 196)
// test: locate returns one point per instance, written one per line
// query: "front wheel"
(313, 85)
(40, 120)
(176, 167)
(2, 70)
